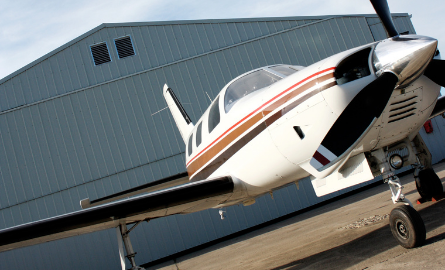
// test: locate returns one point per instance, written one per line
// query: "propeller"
(436, 68)
(382, 9)
(355, 119)
(398, 62)
(436, 71)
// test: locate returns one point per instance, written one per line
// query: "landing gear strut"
(405, 222)
(123, 235)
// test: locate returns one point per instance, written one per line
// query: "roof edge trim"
(161, 23)
(53, 52)
(262, 19)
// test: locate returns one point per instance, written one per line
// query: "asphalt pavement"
(351, 233)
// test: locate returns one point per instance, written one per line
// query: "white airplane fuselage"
(267, 138)
(341, 121)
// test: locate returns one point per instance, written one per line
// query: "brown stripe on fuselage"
(228, 153)
(215, 164)
(204, 158)
(298, 91)
(218, 147)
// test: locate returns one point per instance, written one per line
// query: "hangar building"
(86, 121)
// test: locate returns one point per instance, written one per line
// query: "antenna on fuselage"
(209, 97)
(159, 111)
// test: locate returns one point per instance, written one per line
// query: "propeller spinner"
(436, 67)
(407, 57)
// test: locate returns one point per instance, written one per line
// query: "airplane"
(340, 121)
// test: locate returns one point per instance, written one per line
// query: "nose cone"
(405, 56)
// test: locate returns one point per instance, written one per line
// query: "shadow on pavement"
(298, 216)
(349, 254)
(369, 245)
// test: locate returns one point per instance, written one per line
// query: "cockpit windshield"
(246, 85)
(284, 69)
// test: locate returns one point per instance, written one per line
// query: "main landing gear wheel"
(428, 184)
(407, 226)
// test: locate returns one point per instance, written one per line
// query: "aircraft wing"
(187, 198)
(171, 181)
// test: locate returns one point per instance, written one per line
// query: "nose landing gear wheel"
(407, 226)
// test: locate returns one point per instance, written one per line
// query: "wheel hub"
(401, 229)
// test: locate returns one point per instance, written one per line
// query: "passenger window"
(190, 146)
(214, 116)
(199, 134)
(354, 67)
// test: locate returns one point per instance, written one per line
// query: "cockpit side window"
(214, 116)
(190, 145)
(354, 67)
(246, 85)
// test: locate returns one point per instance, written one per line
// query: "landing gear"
(405, 222)
(407, 226)
(428, 184)
(123, 235)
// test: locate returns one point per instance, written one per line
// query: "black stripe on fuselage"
(229, 152)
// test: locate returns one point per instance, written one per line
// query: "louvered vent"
(124, 47)
(100, 53)
(403, 109)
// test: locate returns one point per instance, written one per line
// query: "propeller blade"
(360, 113)
(382, 9)
(436, 71)
(439, 108)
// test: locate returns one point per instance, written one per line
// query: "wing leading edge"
(186, 198)
(168, 182)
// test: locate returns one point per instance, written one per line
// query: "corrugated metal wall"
(70, 68)
(402, 23)
(71, 130)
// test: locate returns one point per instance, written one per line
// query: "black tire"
(428, 184)
(407, 226)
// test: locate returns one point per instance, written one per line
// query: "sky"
(30, 29)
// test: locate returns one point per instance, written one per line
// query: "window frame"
(190, 145)
(279, 73)
(132, 45)
(108, 51)
(198, 134)
(210, 116)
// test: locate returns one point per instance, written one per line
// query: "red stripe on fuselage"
(256, 110)
(320, 158)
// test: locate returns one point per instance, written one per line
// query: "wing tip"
(85, 203)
